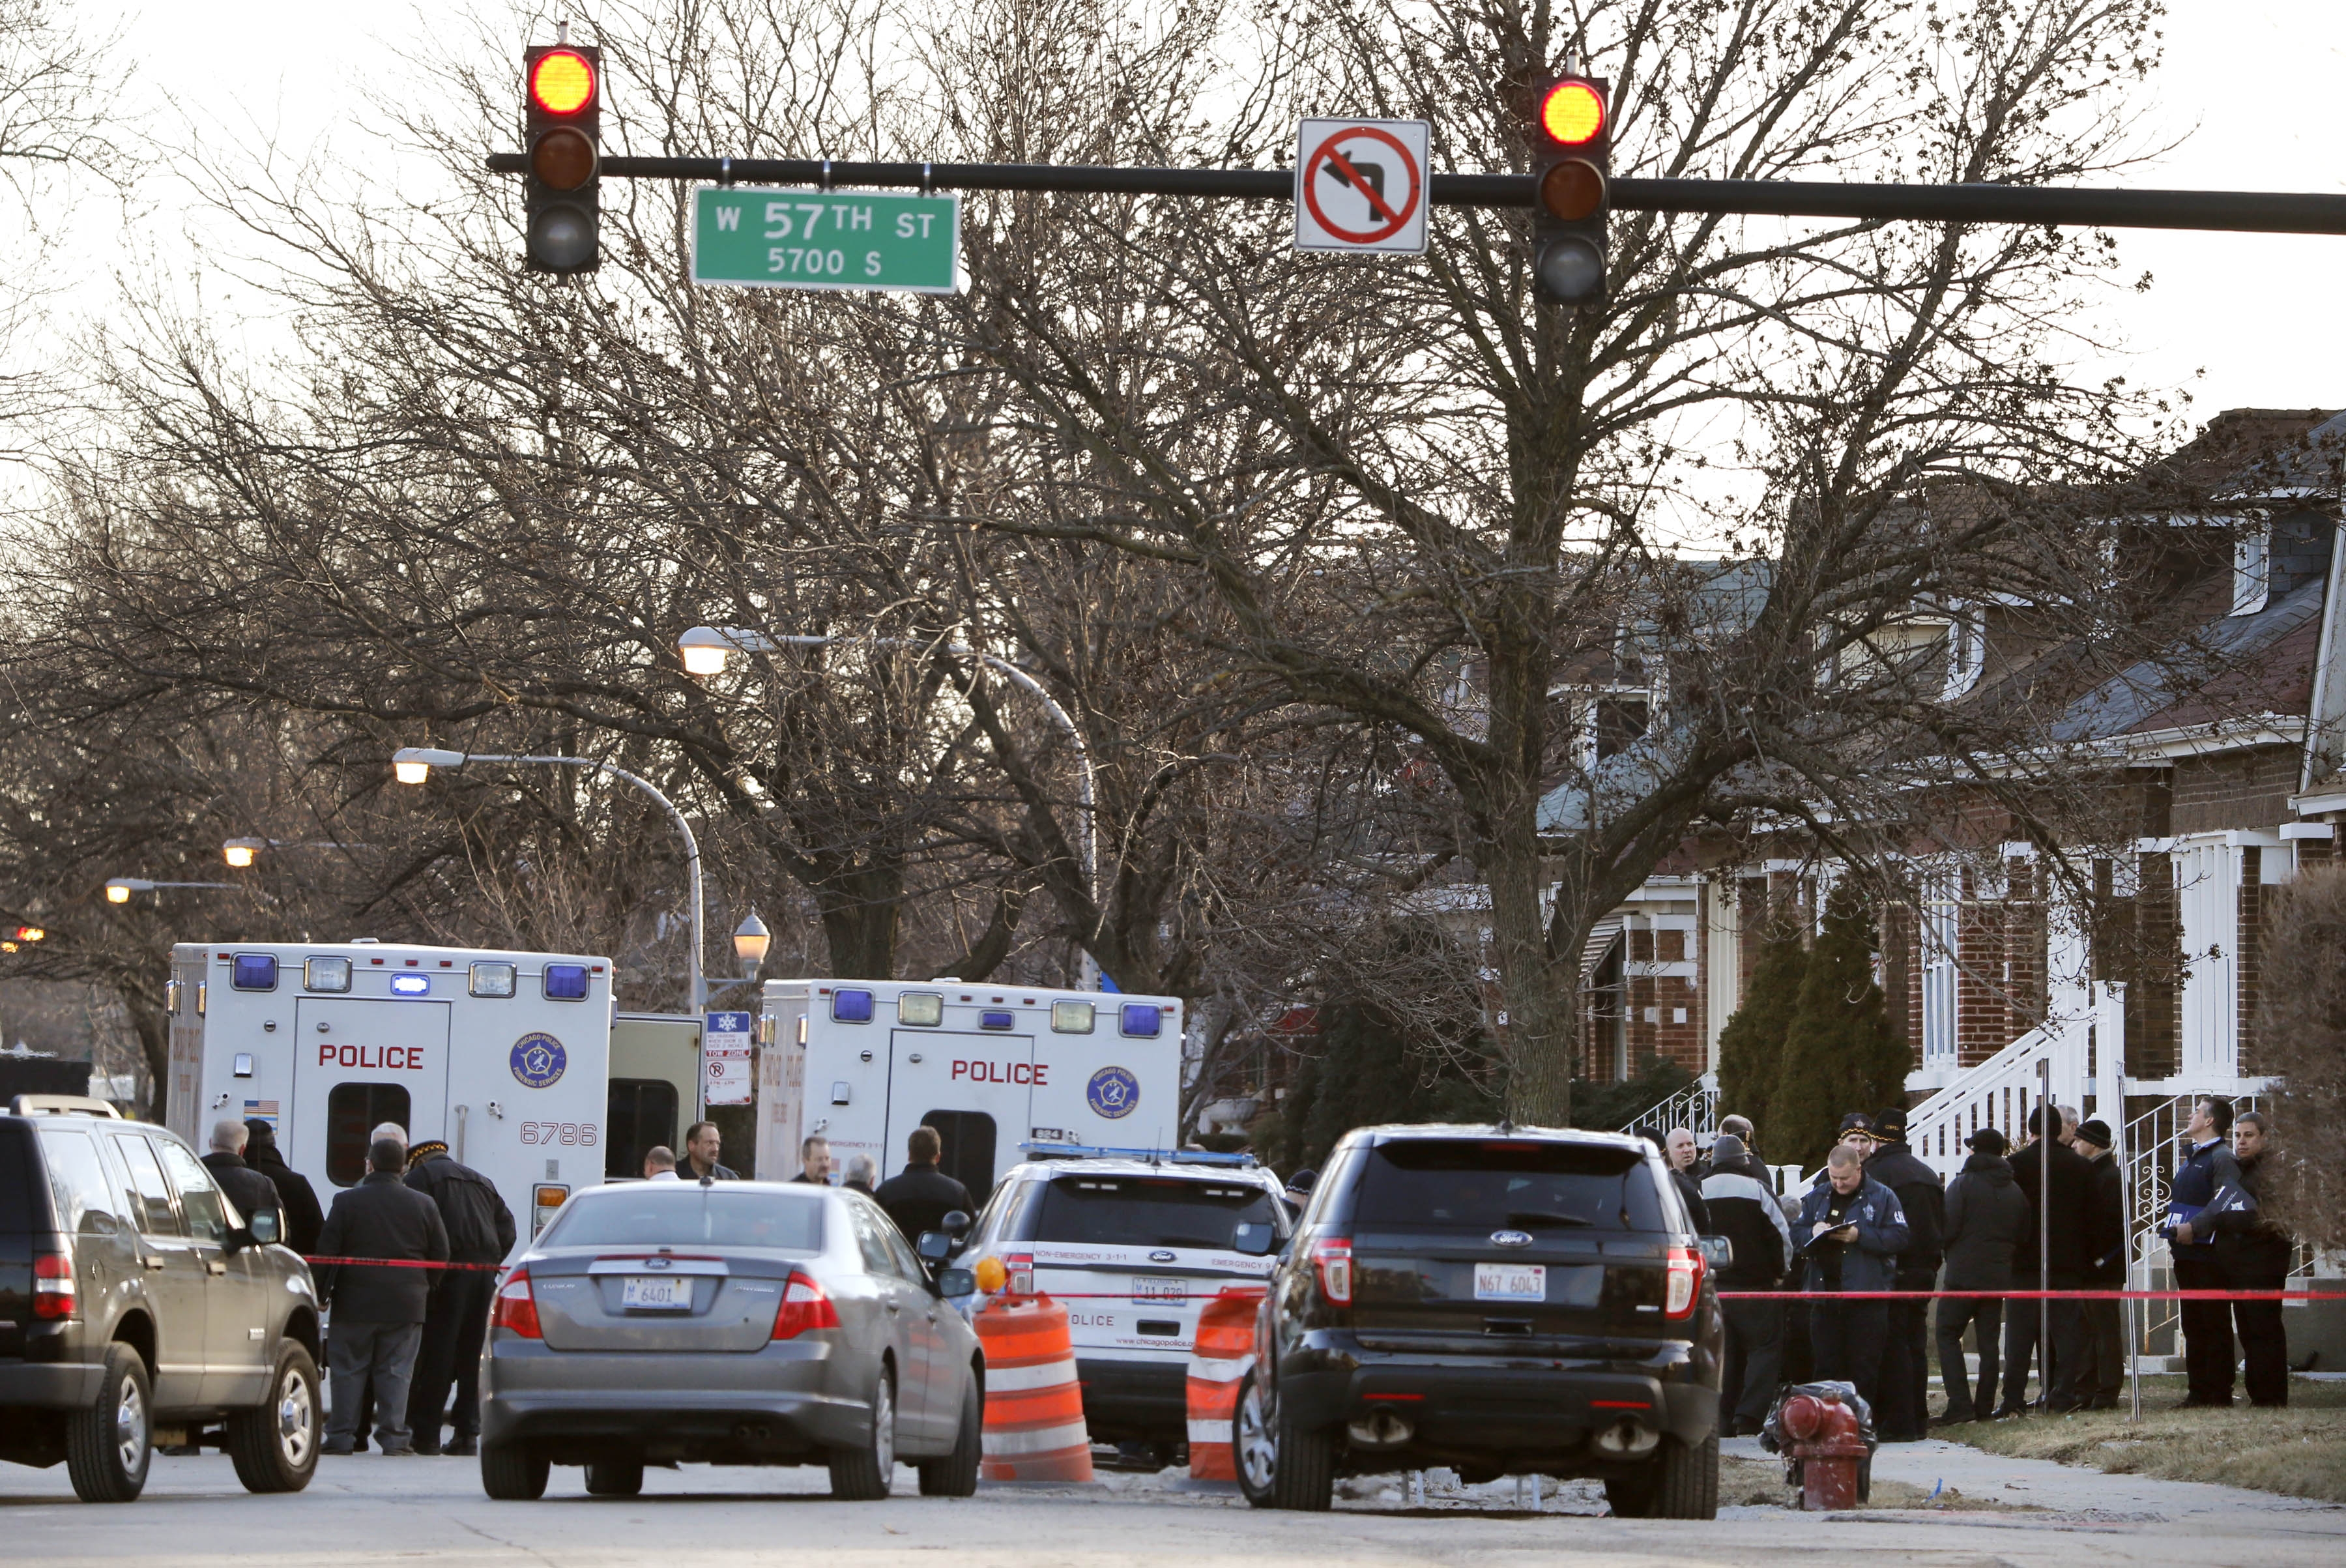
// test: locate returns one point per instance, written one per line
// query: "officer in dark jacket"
(1905, 1415)
(295, 1195)
(2053, 1177)
(480, 1231)
(2103, 1377)
(2256, 1253)
(1743, 1208)
(378, 1313)
(2207, 1169)
(1849, 1234)
(1987, 1217)
(251, 1191)
(918, 1197)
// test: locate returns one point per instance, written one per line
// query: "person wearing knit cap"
(2102, 1376)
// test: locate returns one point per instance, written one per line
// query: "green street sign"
(750, 238)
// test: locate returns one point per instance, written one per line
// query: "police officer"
(2208, 1167)
(1850, 1233)
(480, 1231)
(2053, 1178)
(2256, 1253)
(1905, 1412)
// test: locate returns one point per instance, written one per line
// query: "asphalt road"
(368, 1510)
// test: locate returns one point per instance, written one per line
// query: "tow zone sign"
(1361, 186)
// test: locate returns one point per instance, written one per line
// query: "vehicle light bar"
(1047, 1151)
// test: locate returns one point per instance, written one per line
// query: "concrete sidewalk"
(2059, 1488)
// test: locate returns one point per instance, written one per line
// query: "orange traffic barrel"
(1220, 1359)
(1034, 1406)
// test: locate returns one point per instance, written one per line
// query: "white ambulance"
(990, 1066)
(506, 1055)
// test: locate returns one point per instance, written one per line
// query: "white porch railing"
(1694, 1107)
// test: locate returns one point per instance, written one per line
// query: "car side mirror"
(934, 1246)
(955, 1283)
(1254, 1239)
(956, 1224)
(1717, 1252)
(266, 1227)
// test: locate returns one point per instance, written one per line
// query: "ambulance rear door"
(358, 1062)
(976, 1089)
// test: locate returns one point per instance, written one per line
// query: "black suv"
(138, 1306)
(1500, 1300)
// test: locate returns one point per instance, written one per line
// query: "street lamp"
(119, 889)
(413, 765)
(241, 853)
(705, 649)
(750, 940)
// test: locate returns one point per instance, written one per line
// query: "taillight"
(1021, 1266)
(1331, 1264)
(53, 1285)
(804, 1307)
(1685, 1282)
(516, 1308)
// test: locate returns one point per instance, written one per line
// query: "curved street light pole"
(414, 764)
(704, 649)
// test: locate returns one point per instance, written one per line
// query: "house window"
(2251, 571)
(1620, 720)
(1941, 907)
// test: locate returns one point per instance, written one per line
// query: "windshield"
(1499, 1184)
(696, 1217)
(1149, 1211)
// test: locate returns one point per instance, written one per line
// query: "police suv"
(1132, 1242)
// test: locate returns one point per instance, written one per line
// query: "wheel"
(110, 1442)
(1252, 1445)
(275, 1445)
(955, 1475)
(862, 1474)
(1685, 1480)
(1279, 1464)
(511, 1473)
(614, 1478)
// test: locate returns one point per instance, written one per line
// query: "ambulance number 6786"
(572, 1135)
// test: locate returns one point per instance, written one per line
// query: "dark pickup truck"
(1502, 1300)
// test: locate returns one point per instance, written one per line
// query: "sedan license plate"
(670, 1295)
(1510, 1282)
(1149, 1288)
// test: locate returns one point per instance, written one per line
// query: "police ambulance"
(990, 1066)
(504, 1055)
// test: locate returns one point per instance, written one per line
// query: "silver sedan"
(736, 1323)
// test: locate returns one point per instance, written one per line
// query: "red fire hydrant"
(1825, 1440)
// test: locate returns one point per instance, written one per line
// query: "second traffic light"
(563, 105)
(1572, 156)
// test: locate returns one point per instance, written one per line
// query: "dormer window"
(1966, 650)
(2253, 570)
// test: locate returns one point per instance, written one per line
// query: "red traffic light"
(562, 82)
(1573, 113)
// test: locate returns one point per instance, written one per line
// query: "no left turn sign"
(1360, 185)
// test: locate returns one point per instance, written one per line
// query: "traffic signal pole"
(2238, 212)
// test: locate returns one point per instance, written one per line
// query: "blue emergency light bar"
(1154, 1157)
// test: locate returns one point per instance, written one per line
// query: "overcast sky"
(2251, 85)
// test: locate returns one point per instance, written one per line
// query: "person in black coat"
(918, 1197)
(297, 1199)
(2103, 1377)
(251, 1191)
(1905, 1415)
(2256, 1253)
(702, 1144)
(2053, 1177)
(1743, 1208)
(480, 1232)
(378, 1314)
(1987, 1217)
(2207, 1168)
